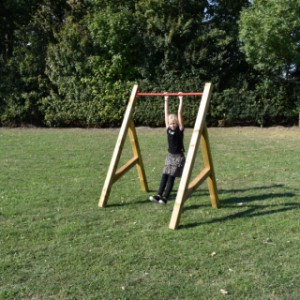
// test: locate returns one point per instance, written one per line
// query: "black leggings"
(166, 185)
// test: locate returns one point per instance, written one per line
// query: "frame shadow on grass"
(253, 210)
(136, 200)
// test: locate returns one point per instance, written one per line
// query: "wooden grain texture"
(113, 174)
(185, 189)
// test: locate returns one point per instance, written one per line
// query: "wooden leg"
(208, 162)
(137, 153)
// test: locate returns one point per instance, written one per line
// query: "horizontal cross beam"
(139, 94)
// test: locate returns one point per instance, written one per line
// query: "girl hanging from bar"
(175, 159)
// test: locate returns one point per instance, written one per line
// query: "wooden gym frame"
(199, 137)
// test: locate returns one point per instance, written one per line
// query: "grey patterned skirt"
(174, 164)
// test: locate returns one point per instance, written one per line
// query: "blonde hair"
(173, 117)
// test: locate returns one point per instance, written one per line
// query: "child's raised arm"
(167, 111)
(180, 109)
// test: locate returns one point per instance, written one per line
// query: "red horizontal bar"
(168, 94)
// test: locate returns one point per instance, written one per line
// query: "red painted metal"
(139, 94)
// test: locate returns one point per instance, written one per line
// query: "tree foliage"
(74, 62)
(24, 83)
(270, 33)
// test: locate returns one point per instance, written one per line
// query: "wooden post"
(185, 189)
(208, 163)
(113, 174)
(137, 153)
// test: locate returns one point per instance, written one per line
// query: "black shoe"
(155, 198)
(163, 201)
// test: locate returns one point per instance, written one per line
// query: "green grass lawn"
(56, 243)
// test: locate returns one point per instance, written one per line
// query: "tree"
(222, 19)
(14, 15)
(88, 66)
(115, 38)
(69, 70)
(23, 81)
(270, 36)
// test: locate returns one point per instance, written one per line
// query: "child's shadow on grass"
(252, 210)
